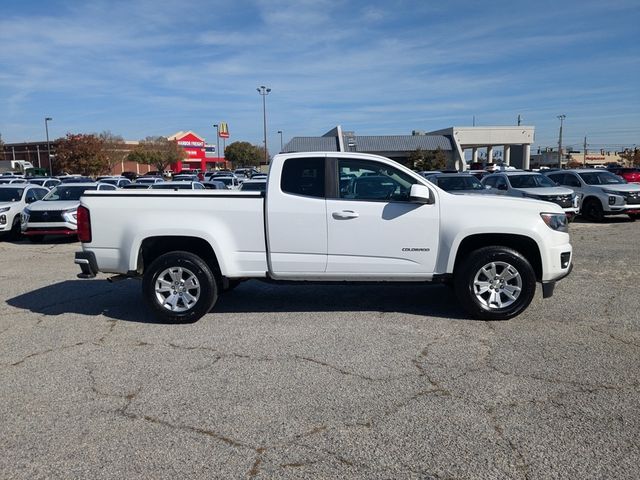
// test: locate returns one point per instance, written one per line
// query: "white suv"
(13, 198)
(602, 192)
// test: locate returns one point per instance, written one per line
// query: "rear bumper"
(88, 264)
(49, 231)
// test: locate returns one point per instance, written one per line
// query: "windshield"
(11, 194)
(530, 181)
(600, 178)
(67, 192)
(466, 182)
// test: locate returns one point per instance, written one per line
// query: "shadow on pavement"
(123, 300)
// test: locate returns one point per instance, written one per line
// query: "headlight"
(556, 221)
(5, 209)
(613, 192)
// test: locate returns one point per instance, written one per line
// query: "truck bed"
(233, 222)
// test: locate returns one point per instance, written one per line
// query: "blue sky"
(153, 67)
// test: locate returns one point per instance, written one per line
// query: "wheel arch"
(522, 244)
(155, 246)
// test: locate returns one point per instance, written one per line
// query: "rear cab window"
(304, 176)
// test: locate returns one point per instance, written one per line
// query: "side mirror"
(420, 194)
(487, 187)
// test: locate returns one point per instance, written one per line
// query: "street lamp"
(280, 132)
(561, 117)
(46, 128)
(217, 140)
(264, 91)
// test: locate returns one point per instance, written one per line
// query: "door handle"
(345, 214)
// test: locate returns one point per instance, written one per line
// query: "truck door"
(297, 217)
(373, 227)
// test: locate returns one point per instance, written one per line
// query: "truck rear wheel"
(179, 287)
(495, 283)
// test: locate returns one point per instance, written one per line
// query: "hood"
(485, 191)
(10, 204)
(42, 206)
(620, 187)
(546, 191)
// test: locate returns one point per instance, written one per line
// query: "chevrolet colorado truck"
(325, 217)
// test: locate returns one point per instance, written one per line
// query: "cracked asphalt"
(298, 381)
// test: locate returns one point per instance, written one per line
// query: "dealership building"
(514, 143)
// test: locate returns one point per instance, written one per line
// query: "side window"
(571, 180)
(501, 183)
(559, 178)
(39, 193)
(368, 180)
(31, 196)
(107, 187)
(491, 181)
(303, 176)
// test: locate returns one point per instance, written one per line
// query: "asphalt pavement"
(308, 381)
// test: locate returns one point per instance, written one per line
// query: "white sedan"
(13, 199)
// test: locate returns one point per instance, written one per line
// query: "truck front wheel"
(179, 287)
(495, 283)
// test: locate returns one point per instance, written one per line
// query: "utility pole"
(561, 117)
(46, 127)
(584, 160)
(280, 132)
(474, 120)
(264, 91)
(519, 119)
(217, 140)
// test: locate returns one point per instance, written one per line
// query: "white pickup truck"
(325, 217)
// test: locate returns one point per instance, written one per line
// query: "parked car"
(76, 179)
(137, 186)
(47, 182)
(149, 180)
(631, 175)
(460, 183)
(56, 213)
(7, 180)
(13, 199)
(214, 185)
(130, 175)
(518, 183)
(177, 185)
(254, 185)
(479, 174)
(117, 181)
(231, 182)
(186, 177)
(257, 176)
(602, 193)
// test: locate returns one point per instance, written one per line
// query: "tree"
(114, 149)
(428, 159)
(157, 151)
(243, 154)
(632, 157)
(81, 153)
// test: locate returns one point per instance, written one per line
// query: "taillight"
(84, 225)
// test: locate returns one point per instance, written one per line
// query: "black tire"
(36, 238)
(16, 232)
(487, 304)
(592, 209)
(200, 299)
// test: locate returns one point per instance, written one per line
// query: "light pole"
(561, 117)
(264, 91)
(46, 128)
(280, 132)
(217, 140)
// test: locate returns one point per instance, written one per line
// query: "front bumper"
(88, 264)
(549, 286)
